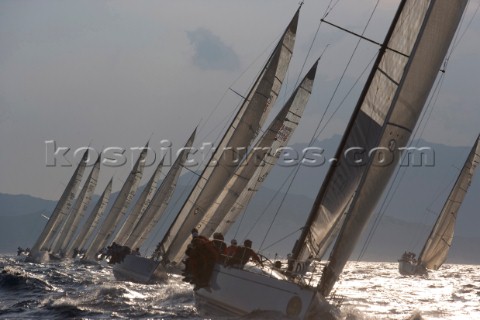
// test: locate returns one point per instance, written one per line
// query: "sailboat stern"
(237, 292)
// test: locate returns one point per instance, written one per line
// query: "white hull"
(38, 257)
(236, 292)
(139, 269)
(409, 268)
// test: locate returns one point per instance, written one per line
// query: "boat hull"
(236, 292)
(409, 268)
(38, 257)
(140, 270)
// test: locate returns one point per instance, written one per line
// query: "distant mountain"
(405, 220)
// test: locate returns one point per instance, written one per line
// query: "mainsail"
(78, 210)
(254, 169)
(62, 208)
(92, 221)
(390, 106)
(239, 135)
(161, 199)
(435, 251)
(140, 206)
(119, 207)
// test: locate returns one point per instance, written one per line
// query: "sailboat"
(435, 250)
(134, 267)
(384, 118)
(70, 226)
(80, 242)
(231, 149)
(249, 176)
(40, 250)
(118, 208)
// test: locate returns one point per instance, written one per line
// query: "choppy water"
(366, 291)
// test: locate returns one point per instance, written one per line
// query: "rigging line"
(343, 74)
(323, 115)
(281, 239)
(460, 37)
(235, 81)
(277, 192)
(367, 67)
(364, 38)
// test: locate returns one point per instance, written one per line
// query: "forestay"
(239, 135)
(254, 169)
(422, 30)
(438, 244)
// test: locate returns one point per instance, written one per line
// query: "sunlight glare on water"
(365, 291)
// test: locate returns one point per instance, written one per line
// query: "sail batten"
(239, 135)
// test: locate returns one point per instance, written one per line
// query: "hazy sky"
(118, 73)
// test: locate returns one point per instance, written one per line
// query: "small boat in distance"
(435, 250)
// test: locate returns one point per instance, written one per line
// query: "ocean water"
(367, 290)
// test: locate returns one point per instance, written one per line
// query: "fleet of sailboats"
(386, 113)
(435, 250)
(383, 120)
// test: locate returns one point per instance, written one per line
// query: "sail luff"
(241, 132)
(78, 210)
(62, 207)
(119, 207)
(161, 199)
(261, 158)
(435, 251)
(431, 32)
(92, 221)
(140, 206)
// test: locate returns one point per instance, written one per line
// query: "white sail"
(161, 199)
(438, 244)
(91, 223)
(390, 108)
(243, 129)
(119, 207)
(62, 208)
(140, 206)
(249, 176)
(78, 211)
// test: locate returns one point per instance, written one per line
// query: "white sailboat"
(435, 250)
(70, 226)
(231, 149)
(249, 176)
(39, 252)
(134, 267)
(118, 208)
(385, 116)
(140, 206)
